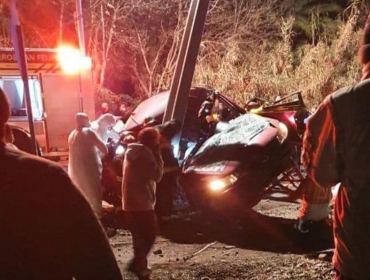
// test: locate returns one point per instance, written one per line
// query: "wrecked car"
(254, 155)
(231, 157)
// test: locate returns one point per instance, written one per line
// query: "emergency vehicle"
(60, 85)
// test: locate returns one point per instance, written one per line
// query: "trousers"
(144, 229)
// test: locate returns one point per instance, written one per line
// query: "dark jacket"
(168, 131)
(141, 171)
(48, 229)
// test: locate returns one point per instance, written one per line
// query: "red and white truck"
(60, 85)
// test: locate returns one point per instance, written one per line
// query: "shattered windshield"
(240, 131)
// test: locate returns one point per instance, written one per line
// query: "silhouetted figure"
(167, 186)
(9, 137)
(48, 229)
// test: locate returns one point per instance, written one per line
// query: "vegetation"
(250, 47)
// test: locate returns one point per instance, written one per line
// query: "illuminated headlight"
(282, 132)
(222, 184)
(120, 150)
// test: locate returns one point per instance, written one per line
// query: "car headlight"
(282, 132)
(223, 184)
(120, 150)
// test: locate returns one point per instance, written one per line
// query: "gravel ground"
(266, 247)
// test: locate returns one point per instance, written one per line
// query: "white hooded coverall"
(101, 126)
(85, 165)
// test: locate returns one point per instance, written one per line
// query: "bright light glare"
(222, 184)
(176, 150)
(120, 150)
(85, 62)
(217, 185)
(292, 119)
(72, 61)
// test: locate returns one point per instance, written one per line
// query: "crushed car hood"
(238, 139)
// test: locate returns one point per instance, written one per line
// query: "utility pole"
(18, 45)
(183, 76)
(80, 28)
(82, 45)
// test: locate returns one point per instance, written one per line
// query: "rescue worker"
(206, 118)
(48, 230)
(103, 127)
(166, 187)
(84, 166)
(142, 168)
(315, 208)
(104, 109)
(336, 149)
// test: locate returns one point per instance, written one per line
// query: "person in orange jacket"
(315, 204)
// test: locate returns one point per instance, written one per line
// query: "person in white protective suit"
(85, 165)
(103, 127)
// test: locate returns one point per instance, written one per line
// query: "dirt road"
(266, 247)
